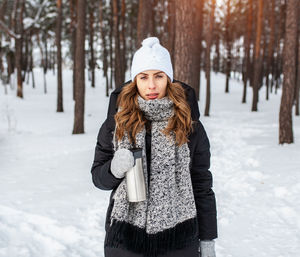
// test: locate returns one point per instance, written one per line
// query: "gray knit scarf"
(167, 219)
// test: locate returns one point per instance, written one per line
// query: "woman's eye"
(143, 78)
(159, 76)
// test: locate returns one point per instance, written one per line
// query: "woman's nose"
(151, 84)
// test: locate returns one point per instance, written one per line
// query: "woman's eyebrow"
(142, 73)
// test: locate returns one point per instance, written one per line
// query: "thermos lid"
(137, 153)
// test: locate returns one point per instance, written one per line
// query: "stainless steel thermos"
(136, 188)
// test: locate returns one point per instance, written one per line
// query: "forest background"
(254, 41)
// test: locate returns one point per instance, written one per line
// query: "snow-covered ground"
(50, 207)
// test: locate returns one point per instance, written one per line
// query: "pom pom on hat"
(151, 56)
(150, 41)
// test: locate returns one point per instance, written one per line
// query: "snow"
(50, 207)
(28, 22)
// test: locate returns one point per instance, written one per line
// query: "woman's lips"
(152, 96)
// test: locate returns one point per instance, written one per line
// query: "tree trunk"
(123, 41)
(246, 63)
(119, 79)
(91, 41)
(187, 57)
(207, 56)
(132, 29)
(263, 58)
(111, 59)
(257, 56)
(198, 28)
(298, 77)
(270, 47)
(73, 4)
(31, 62)
(46, 54)
(228, 45)
(80, 68)
(105, 54)
(201, 15)
(216, 60)
(289, 71)
(18, 45)
(59, 107)
(171, 28)
(10, 65)
(2, 9)
(43, 61)
(145, 26)
(1, 62)
(31, 68)
(25, 60)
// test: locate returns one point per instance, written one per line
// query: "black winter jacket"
(200, 163)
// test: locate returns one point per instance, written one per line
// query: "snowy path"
(49, 207)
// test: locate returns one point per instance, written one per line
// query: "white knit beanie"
(151, 56)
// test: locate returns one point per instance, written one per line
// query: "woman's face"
(152, 84)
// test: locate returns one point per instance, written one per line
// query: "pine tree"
(257, 55)
(146, 23)
(247, 45)
(19, 10)
(186, 46)
(289, 72)
(207, 55)
(78, 127)
(270, 47)
(59, 107)
(228, 42)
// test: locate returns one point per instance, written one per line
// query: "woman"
(161, 116)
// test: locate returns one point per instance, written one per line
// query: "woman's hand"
(207, 248)
(122, 161)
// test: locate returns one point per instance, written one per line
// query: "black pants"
(191, 251)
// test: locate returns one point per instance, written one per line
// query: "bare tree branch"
(4, 28)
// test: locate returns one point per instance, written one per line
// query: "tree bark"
(298, 77)
(118, 76)
(186, 57)
(257, 56)
(2, 9)
(263, 59)
(201, 15)
(270, 47)
(59, 107)
(31, 61)
(43, 63)
(207, 56)
(104, 46)
(18, 45)
(171, 28)
(145, 26)
(228, 45)
(111, 59)
(91, 42)
(198, 28)
(25, 59)
(123, 41)
(80, 68)
(247, 63)
(73, 4)
(216, 60)
(289, 71)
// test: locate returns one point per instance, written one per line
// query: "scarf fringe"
(127, 236)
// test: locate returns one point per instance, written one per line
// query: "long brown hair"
(131, 119)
